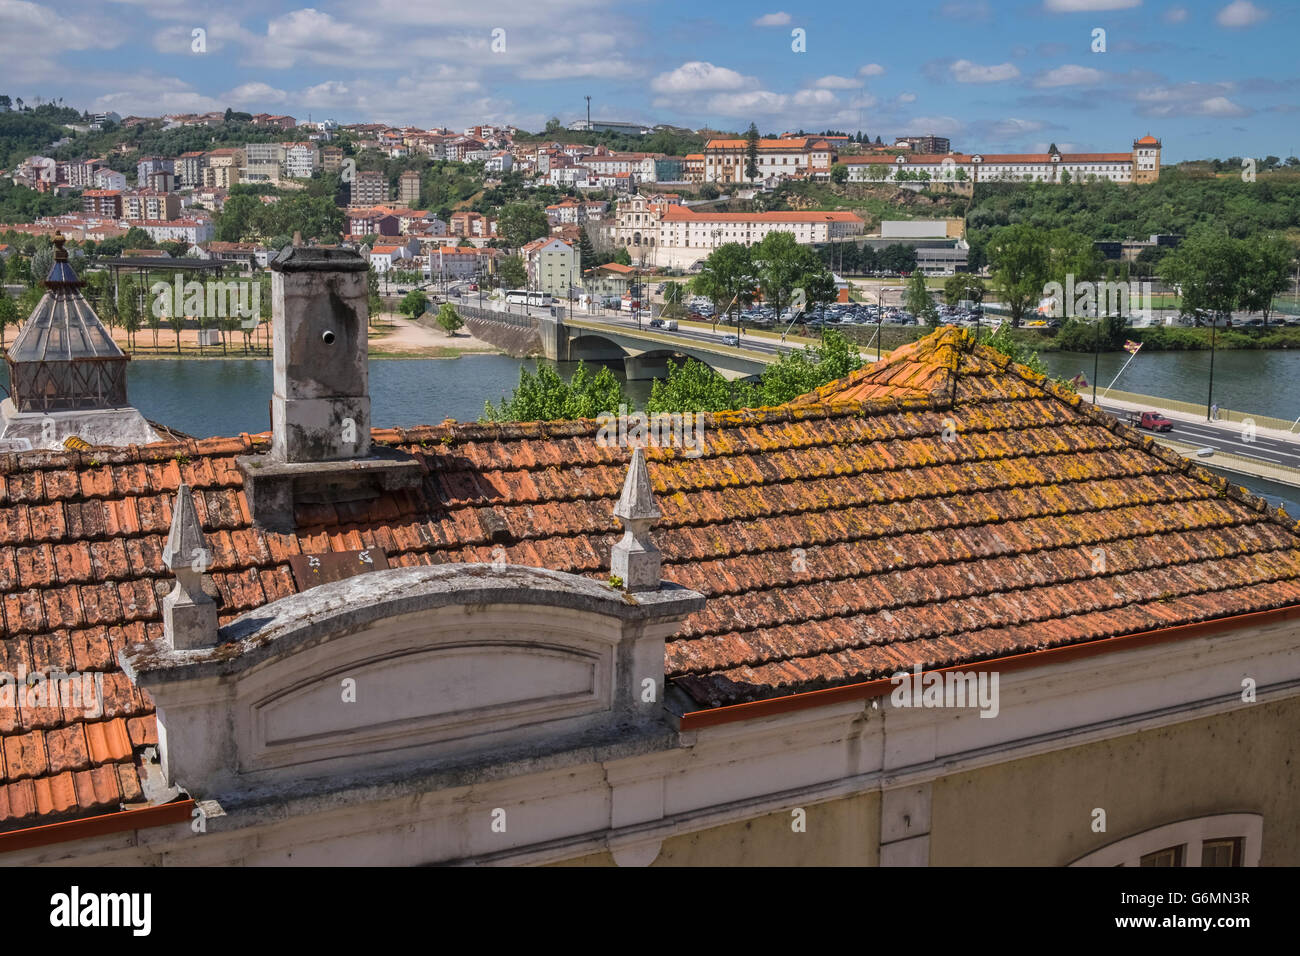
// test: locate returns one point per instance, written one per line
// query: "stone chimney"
(320, 402)
(189, 615)
(320, 406)
(635, 558)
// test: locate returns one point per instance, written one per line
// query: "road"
(1226, 437)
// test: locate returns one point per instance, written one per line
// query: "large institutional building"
(807, 157)
(1142, 165)
(667, 234)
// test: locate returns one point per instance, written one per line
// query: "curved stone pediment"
(406, 666)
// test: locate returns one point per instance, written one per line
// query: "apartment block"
(554, 266)
(102, 202)
(408, 188)
(369, 188)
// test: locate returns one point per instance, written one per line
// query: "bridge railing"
(523, 321)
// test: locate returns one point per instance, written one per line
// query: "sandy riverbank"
(394, 336)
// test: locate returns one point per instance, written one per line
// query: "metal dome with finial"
(63, 357)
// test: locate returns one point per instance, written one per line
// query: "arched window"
(1224, 839)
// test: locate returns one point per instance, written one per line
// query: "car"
(656, 323)
(473, 287)
(1152, 421)
(730, 340)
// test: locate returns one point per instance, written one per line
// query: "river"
(1262, 382)
(228, 396)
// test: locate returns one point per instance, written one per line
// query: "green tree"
(694, 387)
(449, 318)
(751, 152)
(41, 264)
(128, 309)
(586, 251)
(916, 297)
(727, 278)
(781, 264)
(1207, 268)
(622, 257)
(545, 396)
(799, 372)
(522, 222)
(839, 173)
(414, 303)
(514, 275)
(1021, 261)
(8, 315)
(1265, 271)
(963, 287)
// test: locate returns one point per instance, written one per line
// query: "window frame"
(1191, 834)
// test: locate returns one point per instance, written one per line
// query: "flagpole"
(1121, 371)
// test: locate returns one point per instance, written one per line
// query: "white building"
(554, 266)
(182, 230)
(106, 178)
(300, 160)
(1141, 165)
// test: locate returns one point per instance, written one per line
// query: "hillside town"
(652, 204)
(597, 436)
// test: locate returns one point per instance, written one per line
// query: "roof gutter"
(716, 716)
(102, 825)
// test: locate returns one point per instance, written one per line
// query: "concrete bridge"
(644, 352)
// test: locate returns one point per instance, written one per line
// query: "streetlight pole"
(1209, 398)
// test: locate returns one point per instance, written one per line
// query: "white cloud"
(964, 71)
(1175, 15)
(871, 69)
(1219, 106)
(564, 68)
(27, 29)
(1070, 75)
(1189, 99)
(1240, 13)
(760, 102)
(837, 83)
(1088, 6)
(907, 97)
(814, 98)
(698, 76)
(773, 20)
(256, 94)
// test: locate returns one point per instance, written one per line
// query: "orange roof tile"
(947, 502)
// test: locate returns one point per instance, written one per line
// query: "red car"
(1151, 421)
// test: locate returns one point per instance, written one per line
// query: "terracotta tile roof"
(675, 213)
(914, 549)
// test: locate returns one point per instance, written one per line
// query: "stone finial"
(189, 615)
(635, 558)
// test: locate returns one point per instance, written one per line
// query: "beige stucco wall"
(1038, 811)
(842, 832)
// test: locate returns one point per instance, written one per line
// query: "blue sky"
(1209, 78)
